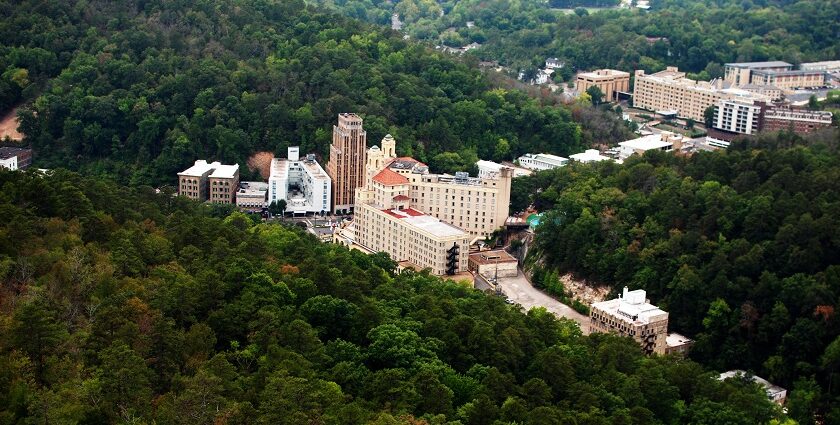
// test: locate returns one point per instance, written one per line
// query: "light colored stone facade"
(610, 81)
(632, 315)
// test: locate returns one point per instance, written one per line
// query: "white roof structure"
(589, 155)
(427, 223)
(252, 188)
(632, 307)
(200, 168)
(224, 171)
(646, 143)
(674, 339)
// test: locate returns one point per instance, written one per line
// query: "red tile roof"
(411, 212)
(401, 198)
(389, 178)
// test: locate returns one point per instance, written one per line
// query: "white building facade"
(302, 183)
(541, 161)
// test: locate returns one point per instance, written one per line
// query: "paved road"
(523, 293)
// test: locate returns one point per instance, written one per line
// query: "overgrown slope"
(120, 305)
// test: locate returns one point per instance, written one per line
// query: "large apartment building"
(477, 205)
(346, 166)
(302, 183)
(214, 182)
(669, 91)
(384, 221)
(776, 73)
(610, 81)
(632, 315)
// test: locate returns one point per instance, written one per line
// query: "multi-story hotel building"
(212, 182)
(477, 205)
(609, 81)
(776, 73)
(669, 91)
(302, 183)
(632, 315)
(384, 221)
(428, 220)
(346, 166)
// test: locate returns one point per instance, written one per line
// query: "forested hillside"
(741, 247)
(118, 305)
(697, 36)
(138, 89)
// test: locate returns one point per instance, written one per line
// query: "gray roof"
(771, 64)
(8, 152)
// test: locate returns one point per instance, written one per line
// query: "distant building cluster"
(669, 92)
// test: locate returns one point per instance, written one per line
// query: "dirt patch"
(9, 127)
(261, 161)
(582, 291)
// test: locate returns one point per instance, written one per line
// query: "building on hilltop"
(775, 393)
(541, 161)
(214, 182)
(632, 315)
(13, 158)
(610, 81)
(669, 92)
(664, 141)
(346, 166)
(302, 183)
(252, 196)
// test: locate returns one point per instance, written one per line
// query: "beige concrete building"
(664, 141)
(252, 196)
(669, 91)
(492, 264)
(775, 73)
(633, 316)
(384, 222)
(212, 182)
(346, 166)
(610, 81)
(477, 205)
(740, 73)
(224, 182)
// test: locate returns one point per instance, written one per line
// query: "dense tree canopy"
(697, 36)
(739, 246)
(138, 90)
(121, 305)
